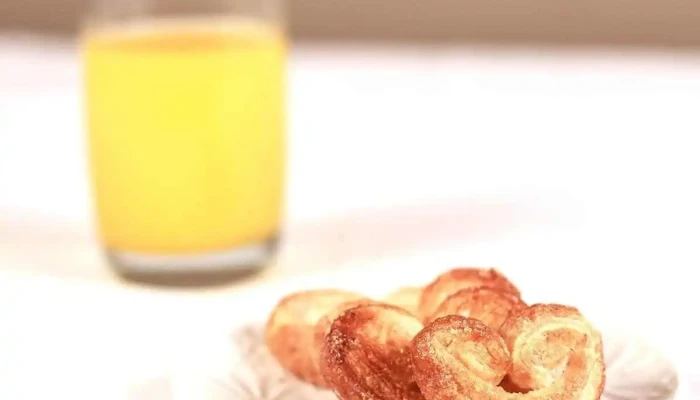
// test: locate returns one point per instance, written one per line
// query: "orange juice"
(186, 138)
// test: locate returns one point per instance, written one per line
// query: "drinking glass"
(185, 114)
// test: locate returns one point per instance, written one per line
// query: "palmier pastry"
(323, 326)
(490, 306)
(554, 350)
(290, 330)
(461, 278)
(367, 354)
(539, 339)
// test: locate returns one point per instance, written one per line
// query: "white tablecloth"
(574, 173)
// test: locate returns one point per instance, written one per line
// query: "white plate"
(240, 368)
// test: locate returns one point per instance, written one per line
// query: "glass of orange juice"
(185, 116)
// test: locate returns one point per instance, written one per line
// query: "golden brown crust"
(481, 343)
(323, 326)
(366, 354)
(540, 338)
(290, 329)
(406, 298)
(491, 306)
(460, 278)
(456, 357)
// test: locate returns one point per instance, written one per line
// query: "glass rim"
(119, 13)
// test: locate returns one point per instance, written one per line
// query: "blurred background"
(640, 22)
(555, 140)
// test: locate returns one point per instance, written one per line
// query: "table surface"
(574, 172)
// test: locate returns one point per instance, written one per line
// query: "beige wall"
(655, 22)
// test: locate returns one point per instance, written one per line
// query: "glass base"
(205, 269)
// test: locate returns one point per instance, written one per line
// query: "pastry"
(466, 336)
(323, 326)
(406, 298)
(539, 339)
(290, 330)
(458, 358)
(367, 354)
(460, 278)
(489, 305)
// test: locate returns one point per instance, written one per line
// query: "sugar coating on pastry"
(290, 330)
(367, 354)
(460, 278)
(489, 305)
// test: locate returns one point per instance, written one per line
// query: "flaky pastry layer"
(456, 279)
(458, 358)
(367, 354)
(290, 330)
(488, 305)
